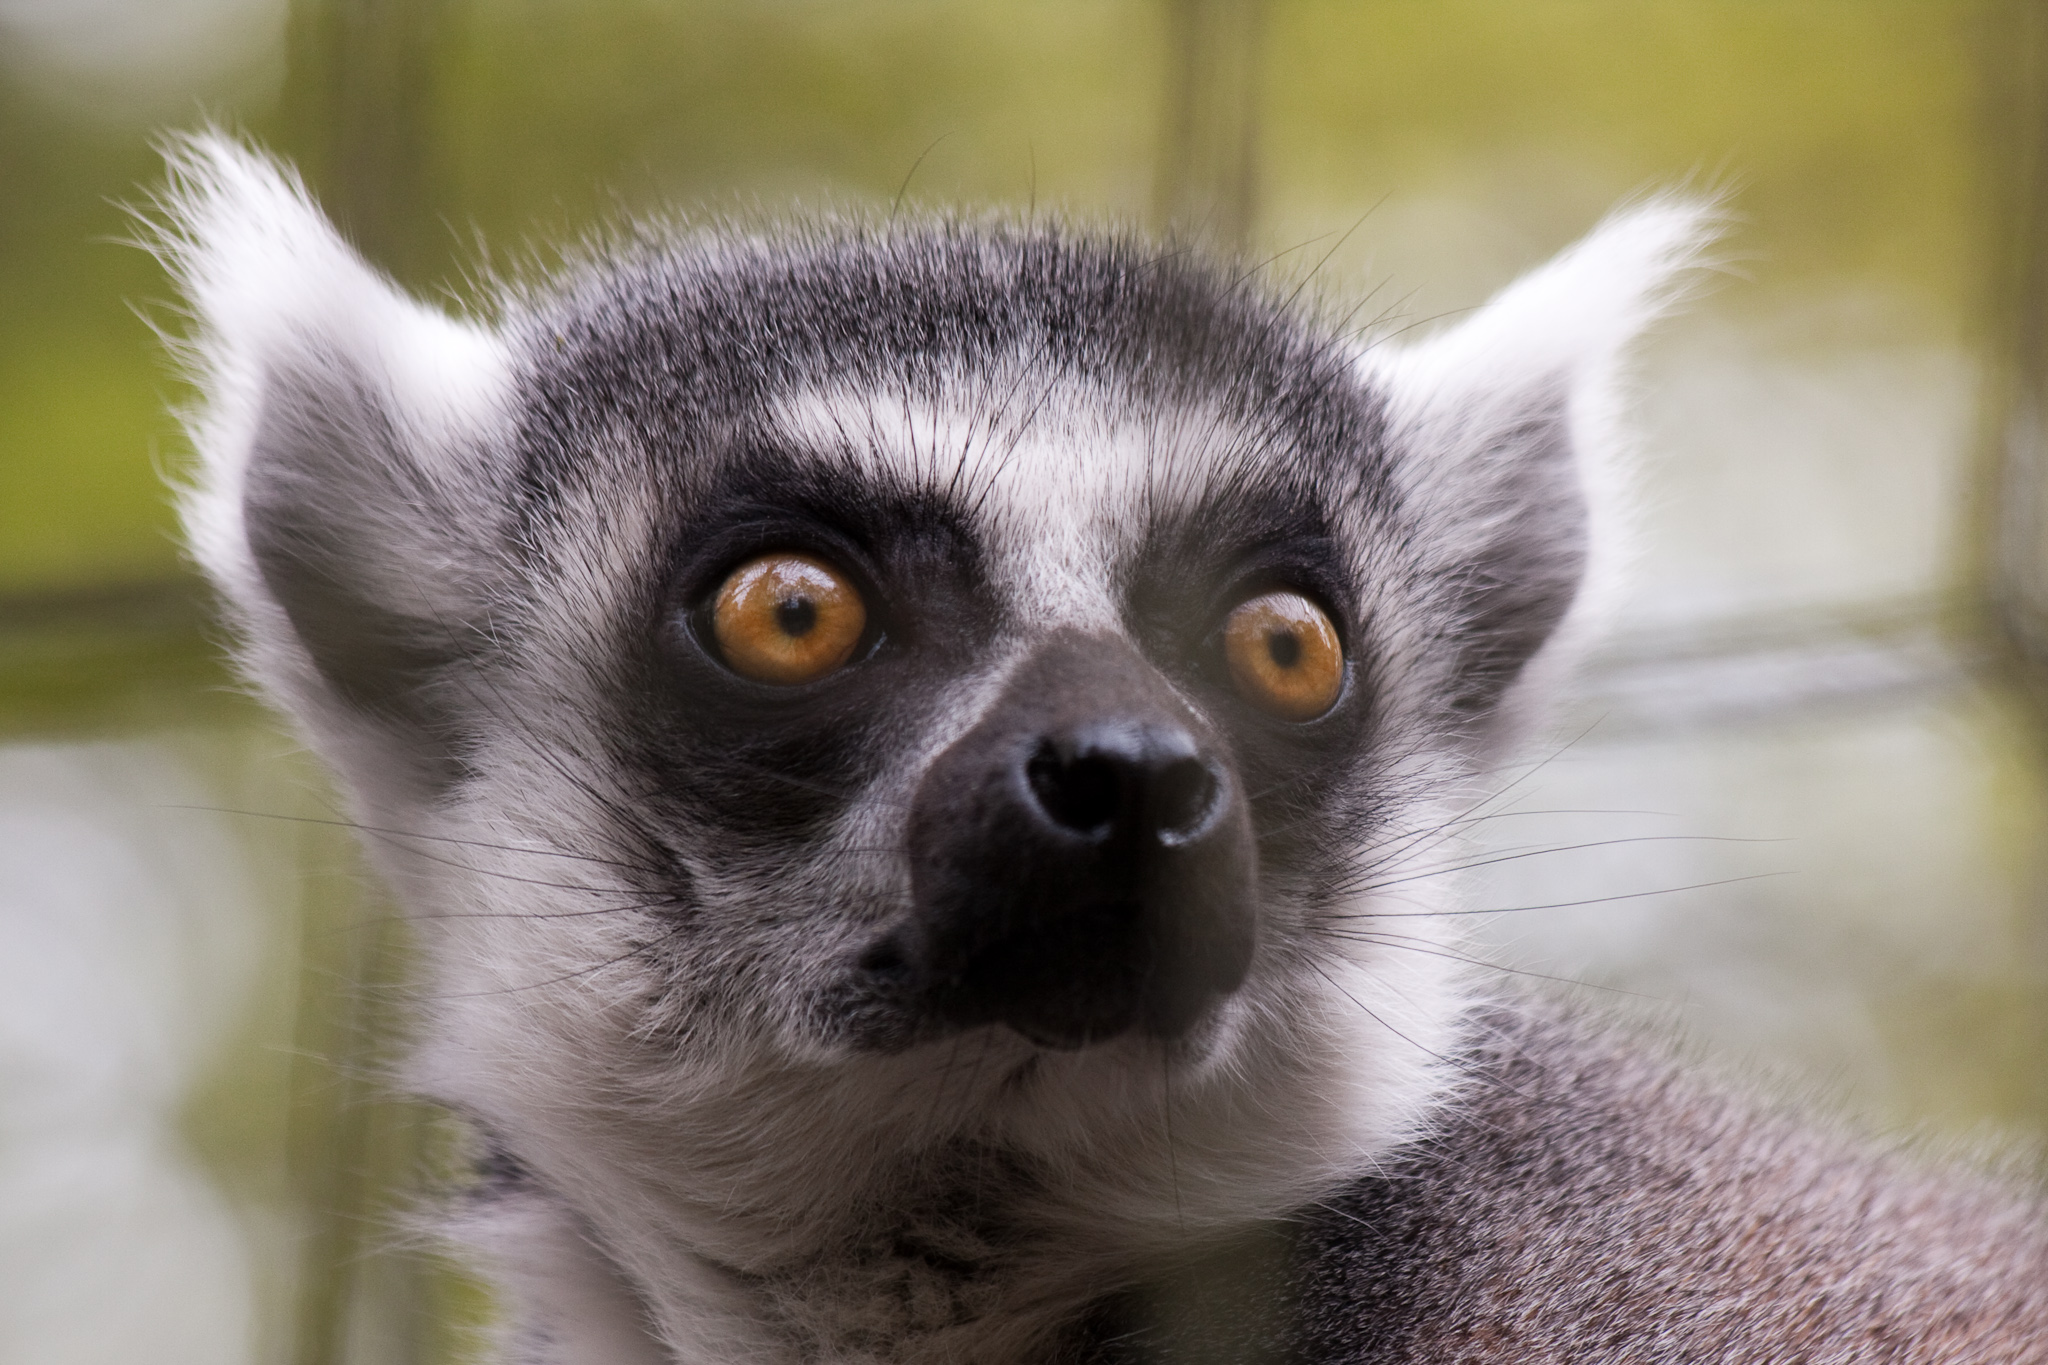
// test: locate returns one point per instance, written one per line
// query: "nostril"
(1094, 793)
(886, 959)
(1083, 793)
(1183, 795)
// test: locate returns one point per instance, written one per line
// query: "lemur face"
(990, 689)
(825, 647)
(1041, 735)
(952, 684)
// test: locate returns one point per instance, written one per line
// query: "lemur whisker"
(416, 917)
(1370, 915)
(1403, 843)
(1356, 224)
(1378, 1018)
(1408, 944)
(637, 951)
(381, 832)
(1555, 849)
(554, 753)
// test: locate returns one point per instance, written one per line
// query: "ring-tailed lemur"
(904, 744)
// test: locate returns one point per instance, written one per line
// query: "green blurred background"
(1820, 706)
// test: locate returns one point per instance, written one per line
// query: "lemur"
(914, 751)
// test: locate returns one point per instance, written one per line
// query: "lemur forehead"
(1059, 479)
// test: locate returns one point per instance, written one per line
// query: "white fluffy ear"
(347, 499)
(1564, 323)
(1506, 426)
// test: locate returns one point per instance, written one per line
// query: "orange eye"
(1284, 655)
(787, 618)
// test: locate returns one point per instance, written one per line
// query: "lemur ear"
(348, 499)
(1507, 438)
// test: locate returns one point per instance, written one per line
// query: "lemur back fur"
(469, 557)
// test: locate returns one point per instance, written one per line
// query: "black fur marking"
(1255, 533)
(770, 763)
(499, 1172)
(1508, 601)
(679, 346)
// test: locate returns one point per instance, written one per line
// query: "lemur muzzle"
(1081, 861)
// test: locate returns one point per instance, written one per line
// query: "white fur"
(279, 298)
(1059, 473)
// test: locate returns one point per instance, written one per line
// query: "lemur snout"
(1082, 862)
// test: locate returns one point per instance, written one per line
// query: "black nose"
(1111, 782)
(1081, 861)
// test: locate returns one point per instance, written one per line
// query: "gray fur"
(467, 556)
(1588, 1200)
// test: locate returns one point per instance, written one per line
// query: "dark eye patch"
(767, 762)
(1198, 563)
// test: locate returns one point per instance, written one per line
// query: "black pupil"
(1283, 647)
(796, 616)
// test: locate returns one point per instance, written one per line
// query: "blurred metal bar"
(1792, 666)
(359, 110)
(359, 106)
(111, 658)
(1207, 184)
(2008, 536)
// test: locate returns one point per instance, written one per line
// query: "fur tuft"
(1514, 418)
(327, 390)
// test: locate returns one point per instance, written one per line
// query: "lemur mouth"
(1081, 862)
(1078, 980)
(1080, 977)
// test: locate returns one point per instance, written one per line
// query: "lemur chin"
(904, 746)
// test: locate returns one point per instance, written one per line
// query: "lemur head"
(767, 657)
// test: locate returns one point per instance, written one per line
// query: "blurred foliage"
(82, 385)
(1851, 132)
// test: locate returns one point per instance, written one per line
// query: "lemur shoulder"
(906, 745)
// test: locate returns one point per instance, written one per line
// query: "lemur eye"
(1284, 655)
(787, 618)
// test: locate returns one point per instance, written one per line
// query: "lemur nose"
(1082, 861)
(1110, 781)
